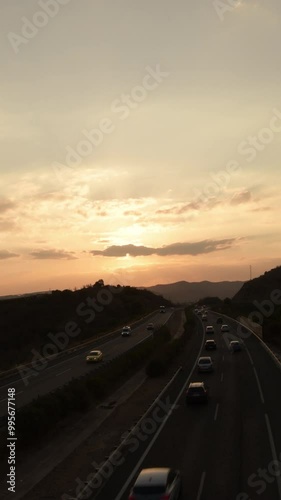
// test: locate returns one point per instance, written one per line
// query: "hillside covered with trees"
(28, 323)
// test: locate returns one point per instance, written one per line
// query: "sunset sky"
(140, 141)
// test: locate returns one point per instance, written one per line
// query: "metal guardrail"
(14, 371)
(108, 460)
(265, 346)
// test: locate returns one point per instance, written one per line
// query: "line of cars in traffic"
(197, 391)
(166, 483)
(96, 355)
(159, 483)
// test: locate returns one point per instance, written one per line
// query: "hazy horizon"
(140, 143)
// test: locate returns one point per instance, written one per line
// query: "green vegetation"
(43, 415)
(31, 323)
(259, 300)
(161, 361)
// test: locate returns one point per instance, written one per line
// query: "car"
(204, 317)
(94, 357)
(210, 345)
(209, 329)
(150, 326)
(205, 364)
(219, 321)
(162, 309)
(158, 483)
(126, 331)
(196, 392)
(235, 346)
(224, 328)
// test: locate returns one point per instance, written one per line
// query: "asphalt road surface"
(229, 448)
(58, 372)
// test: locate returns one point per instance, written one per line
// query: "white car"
(209, 329)
(224, 328)
(235, 346)
(150, 327)
(204, 317)
(157, 484)
(205, 364)
(126, 331)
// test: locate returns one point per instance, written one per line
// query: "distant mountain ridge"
(260, 288)
(184, 291)
(8, 297)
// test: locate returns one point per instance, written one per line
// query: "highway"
(229, 448)
(60, 371)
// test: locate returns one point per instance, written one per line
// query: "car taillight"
(132, 497)
(166, 496)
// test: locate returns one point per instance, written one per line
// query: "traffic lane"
(268, 380)
(269, 377)
(177, 445)
(208, 443)
(135, 448)
(240, 415)
(157, 318)
(265, 373)
(190, 439)
(52, 377)
(224, 452)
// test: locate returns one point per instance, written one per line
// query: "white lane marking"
(274, 454)
(216, 412)
(11, 384)
(251, 359)
(256, 375)
(259, 385)
(56, 365)
(81, 494)
(133, 473)
(201, 486)
(221, 377)
(57, 374)
(83, 350)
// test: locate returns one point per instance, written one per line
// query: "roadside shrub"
(80, 395)
(31, 424)
(96, 387)
(39, 417)
(156, 367)
(159, 364)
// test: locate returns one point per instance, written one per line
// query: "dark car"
(159, 483)
(126, 331)
(210, 345)
(196, 393)
(224, 328)
(235, 346)
(219, 321)
(150, 327)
